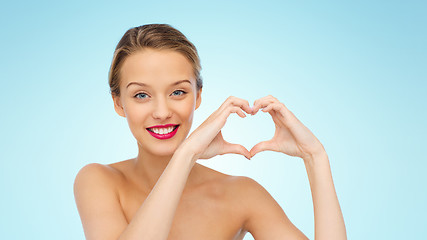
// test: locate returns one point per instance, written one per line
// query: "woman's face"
(158, 96)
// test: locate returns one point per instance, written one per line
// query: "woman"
(163, 193)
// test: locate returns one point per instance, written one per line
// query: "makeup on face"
(160, 96)
(163, 131)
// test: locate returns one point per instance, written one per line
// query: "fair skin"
(164, 193)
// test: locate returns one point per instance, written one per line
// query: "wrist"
(185, 153)
(316, 158)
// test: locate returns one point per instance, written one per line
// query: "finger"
(268, 108)
(271, 103)
(277, 118)
(262, 103)
(274, 108)
(220, 116)
(281, 114)
(231, 105)
(263, 146)
(234, 101)
(218, 121)
(237, 149)
(238, 111)
(268, 98)
(231, 110)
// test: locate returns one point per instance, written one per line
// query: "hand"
(291, 136)
(206, 141)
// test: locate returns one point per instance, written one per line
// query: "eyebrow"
(144, 85)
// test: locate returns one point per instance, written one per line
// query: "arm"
(293, 138)
(328, 218)
(97, 201)
(153, 219)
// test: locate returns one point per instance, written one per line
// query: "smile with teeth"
(163, 130)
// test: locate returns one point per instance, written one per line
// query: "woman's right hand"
(206, 141)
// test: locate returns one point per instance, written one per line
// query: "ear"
(118, 105)
(198, 98)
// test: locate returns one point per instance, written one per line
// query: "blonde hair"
(154, 36)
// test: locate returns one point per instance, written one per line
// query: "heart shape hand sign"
(290, 137)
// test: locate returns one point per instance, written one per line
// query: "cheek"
(187, 109)
(135, 113)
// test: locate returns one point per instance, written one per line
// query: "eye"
(178, 93)
(143, 95)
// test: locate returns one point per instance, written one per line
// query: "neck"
(149, 167)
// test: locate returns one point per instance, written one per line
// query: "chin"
(162, 149)
(164, 152)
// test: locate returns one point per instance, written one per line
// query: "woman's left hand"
(291, 136)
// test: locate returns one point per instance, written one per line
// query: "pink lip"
(164, 136)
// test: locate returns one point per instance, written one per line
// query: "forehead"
(155, 67)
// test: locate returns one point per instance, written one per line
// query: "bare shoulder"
(94, 168)
(97, 173)
(210, 176)
(264, 217)
(245, 185)
(226, 181)
(241, 190)
(95, 192)
(249, 194)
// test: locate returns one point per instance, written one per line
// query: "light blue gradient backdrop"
(354, 73)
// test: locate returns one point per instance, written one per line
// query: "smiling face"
(158, 96)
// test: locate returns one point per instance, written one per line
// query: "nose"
(161, 110)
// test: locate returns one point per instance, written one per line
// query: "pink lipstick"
(163, 131)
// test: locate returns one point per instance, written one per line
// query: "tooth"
(163, 130)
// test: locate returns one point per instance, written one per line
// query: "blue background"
(353, 72)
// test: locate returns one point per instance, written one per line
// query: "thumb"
(262, 146)
(237, 149)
